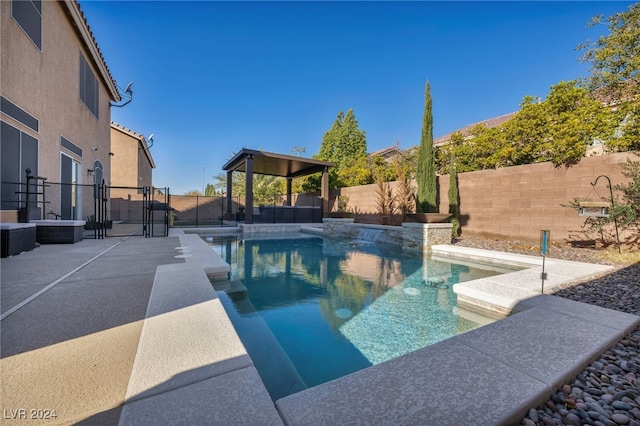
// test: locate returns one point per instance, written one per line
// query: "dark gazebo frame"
(252, 161)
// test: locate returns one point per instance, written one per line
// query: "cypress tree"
(426, 176)
(454, 196)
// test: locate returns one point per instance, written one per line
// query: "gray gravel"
(607, 392)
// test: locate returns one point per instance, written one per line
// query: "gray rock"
(621, 419)
(572, 419)
(620, 405)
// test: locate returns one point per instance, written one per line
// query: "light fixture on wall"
(128, 92)
(90, 172)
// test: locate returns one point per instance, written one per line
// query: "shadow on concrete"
(111, 291)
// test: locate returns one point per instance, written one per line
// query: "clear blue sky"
(214, 77)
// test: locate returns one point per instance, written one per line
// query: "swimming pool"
(310, 310)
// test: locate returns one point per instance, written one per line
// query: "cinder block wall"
(520, 201)
(514, 202)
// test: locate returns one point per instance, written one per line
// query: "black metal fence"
(203, 211)
(107, 210)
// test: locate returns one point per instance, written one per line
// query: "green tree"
(209, 190)
(378, 164)
(615, 73)
(344, 140)
(427, 185)
(576, 119)
(454, 199)
(266, 189)
(524, 134)
(343, 144)
(627, 210)
(354, 172)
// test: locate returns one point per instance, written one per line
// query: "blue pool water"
(318, 309)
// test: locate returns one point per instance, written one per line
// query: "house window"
(88, 86)
(18, 152)
(17, 113)
(66, 143)
(28, 14)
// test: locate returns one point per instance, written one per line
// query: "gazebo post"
(289, 181)
(229, 195)
(324, 191)
(248, 167)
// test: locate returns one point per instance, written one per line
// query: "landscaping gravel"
(607, 392)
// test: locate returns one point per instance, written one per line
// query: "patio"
(130, 331)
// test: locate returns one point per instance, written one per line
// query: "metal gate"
(125, 211)
(109, 211)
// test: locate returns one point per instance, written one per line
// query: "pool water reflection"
(320, 309)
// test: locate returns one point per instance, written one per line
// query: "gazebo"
(252, 161)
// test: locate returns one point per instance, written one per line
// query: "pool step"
(500, 295)
(235, 289)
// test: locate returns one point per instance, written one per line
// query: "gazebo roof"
(269, 163)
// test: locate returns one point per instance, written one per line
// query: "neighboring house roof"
(393, 150)
(142, 141)
(80, 24)
(466, 130)
(388, 152)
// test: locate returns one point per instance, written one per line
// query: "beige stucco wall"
(124, 164)
(130, 165)
(46, 85)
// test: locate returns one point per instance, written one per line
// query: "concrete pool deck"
(130, 331)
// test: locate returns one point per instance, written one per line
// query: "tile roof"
(78, 19)
(389, 150)
(490, 123)
(127, 130)
(142, 141)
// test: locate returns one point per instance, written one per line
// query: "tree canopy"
(344, 141)
(345, 145)
(615, 73)
(559, 129)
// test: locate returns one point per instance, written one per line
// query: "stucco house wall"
(45, 83)
(132, 163)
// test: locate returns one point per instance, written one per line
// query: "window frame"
(89, 89)
(37, 7)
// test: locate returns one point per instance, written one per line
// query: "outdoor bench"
(17, 237)
(58, 231)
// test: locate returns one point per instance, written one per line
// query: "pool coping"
(491, 375)
(500, 295)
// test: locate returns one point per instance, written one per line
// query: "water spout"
(368, 234)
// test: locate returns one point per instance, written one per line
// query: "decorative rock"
(621, 419)
(551, 406)
(597, 408)
(609, 383)
(618, 396)
(572, 419)
(619, 405)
